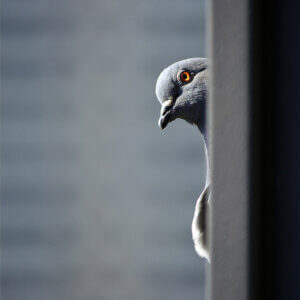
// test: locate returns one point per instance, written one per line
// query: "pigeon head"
(182, 89)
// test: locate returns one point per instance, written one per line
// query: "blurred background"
(96, 201)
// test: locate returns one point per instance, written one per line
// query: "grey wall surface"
(96, 202)
(229, 123)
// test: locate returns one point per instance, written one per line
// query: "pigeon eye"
(185, 76)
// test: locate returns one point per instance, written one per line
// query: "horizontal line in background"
(35, 278)
(171, 26)
(21, 153)
(20, 237)
(11, 111)
(12, 194)
(37, 26)
(178, 277)
(27, 69)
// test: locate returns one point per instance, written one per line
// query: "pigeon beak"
(165, 114)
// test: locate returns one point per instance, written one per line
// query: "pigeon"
(181, 89)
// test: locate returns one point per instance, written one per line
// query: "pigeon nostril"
(166, 106)
(168, 103)
(165, 109)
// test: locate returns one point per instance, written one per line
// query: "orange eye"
(185, 76)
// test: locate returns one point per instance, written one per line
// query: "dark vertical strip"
(287, 151)
(274, 178)
(262, 149)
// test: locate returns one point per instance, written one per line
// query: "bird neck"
(202, 128)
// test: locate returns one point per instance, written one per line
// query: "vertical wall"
(229, 122)
(254, 117)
